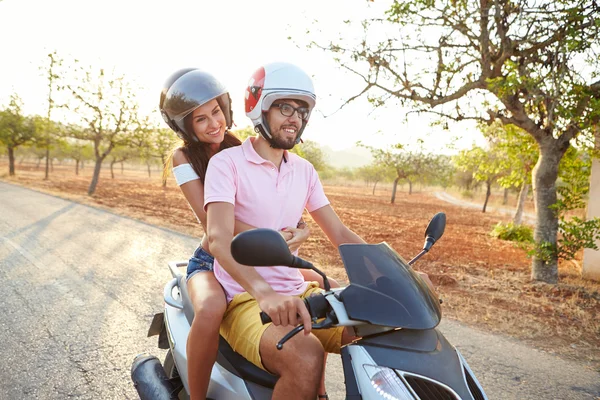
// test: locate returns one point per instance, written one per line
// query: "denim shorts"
(201, 261)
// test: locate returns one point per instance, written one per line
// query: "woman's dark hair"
(198, 153)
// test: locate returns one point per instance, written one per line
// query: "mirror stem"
(411, 262)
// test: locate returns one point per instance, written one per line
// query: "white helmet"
(275, 81)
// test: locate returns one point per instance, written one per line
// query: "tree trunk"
(505, 199)
(545, 174)
(518, 218)
(47, 163)
(112, 173)
(76, 167)
(394, 189)
(11, 161)
(96, 176)
(374, 186)
(122, 169)
(409, 186)
(38, 164)
(52, 164)
(488, 192)
(149, 173)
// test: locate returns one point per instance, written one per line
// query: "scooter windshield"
(384, 289)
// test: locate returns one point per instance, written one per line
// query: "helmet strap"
(298, 139)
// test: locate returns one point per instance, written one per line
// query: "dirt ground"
(484, 282)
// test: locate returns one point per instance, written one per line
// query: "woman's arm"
(193, 191)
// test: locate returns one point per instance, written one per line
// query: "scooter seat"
(227, 358)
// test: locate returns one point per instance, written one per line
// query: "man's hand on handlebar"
(286, 310)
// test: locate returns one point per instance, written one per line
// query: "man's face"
(285, 128)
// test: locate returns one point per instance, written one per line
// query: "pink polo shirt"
(263, 197)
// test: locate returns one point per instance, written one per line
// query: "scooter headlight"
(387, 383)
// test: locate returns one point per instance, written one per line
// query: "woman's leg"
(310, 275)
(209, 303)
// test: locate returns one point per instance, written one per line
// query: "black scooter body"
(423, 353)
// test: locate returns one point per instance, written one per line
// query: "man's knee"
(301, 353)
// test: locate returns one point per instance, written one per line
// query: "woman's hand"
(299, 236)
(286, 235)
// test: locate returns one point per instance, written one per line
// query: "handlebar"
(316, 304)
(318, 308)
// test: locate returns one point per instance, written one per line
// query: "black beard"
(280, 143)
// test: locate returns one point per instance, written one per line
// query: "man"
(264, 185)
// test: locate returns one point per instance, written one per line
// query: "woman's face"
(208, 123)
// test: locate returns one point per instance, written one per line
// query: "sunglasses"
(287, 110)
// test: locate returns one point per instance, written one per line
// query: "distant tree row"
(106, 123)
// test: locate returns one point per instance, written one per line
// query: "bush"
(512, 232)
(467, 194)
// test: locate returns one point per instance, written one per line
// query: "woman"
(198, 108)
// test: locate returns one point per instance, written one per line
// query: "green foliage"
(244, 133)
(485, 165)
(573, 189)
(577, 234)
(517, 150)
(411, 165)
(574, 180)
(15, 128)
(374, 173)
(513, 233)
(467, 194)
(312, 152)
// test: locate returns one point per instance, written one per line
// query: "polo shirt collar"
(252, 156)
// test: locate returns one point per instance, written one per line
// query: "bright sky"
(148, 40)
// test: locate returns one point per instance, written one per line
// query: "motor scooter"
(399, 354)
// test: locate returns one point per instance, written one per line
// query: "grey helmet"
(186, 90)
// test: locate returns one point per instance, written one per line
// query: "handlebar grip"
(264, 318)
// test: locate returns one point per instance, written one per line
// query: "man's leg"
(299, 364)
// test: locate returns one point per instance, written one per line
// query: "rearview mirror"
(261, 248)
(434, 230)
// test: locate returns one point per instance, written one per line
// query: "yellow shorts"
(242, 328)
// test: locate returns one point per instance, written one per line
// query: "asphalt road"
(79, 287)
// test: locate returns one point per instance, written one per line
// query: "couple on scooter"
(257, 183)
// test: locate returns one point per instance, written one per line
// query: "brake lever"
(326, 323)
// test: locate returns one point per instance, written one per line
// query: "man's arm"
(282, 309)
(333, 227)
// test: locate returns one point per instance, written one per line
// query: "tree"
(520, 152)
(155, 143)
(485, 165)
(78, 150)
(444, 171)
(573, 189)
(409, 165)
(374, 173)
(244, 133)
(16, 129)
(107, 108)
(54, 62)
(522, 61)
(312, 152)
